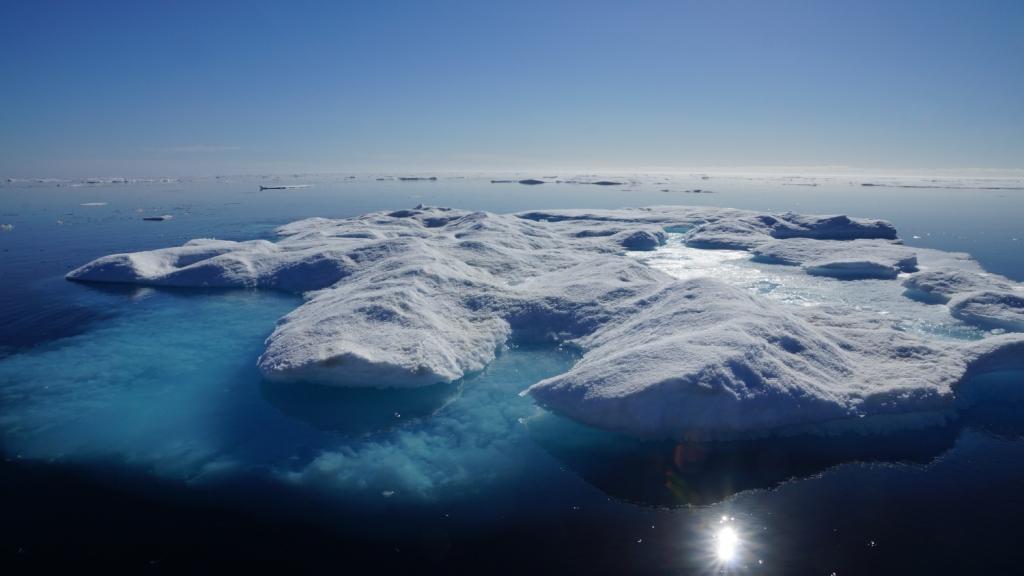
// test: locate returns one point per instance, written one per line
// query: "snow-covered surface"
(749, 231)
(940, 284)
(1000, 310)
(678, 340)
(849, 259)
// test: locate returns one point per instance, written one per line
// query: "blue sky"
(177, 88)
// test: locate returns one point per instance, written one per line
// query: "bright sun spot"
(726, 542)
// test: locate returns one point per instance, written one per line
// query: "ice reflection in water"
(666, 473)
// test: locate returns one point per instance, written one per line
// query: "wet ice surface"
(790, 285)
(798, 506)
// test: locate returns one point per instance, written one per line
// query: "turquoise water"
(171, 386)
(162, 386)
(158, 390)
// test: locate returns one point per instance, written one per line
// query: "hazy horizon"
(555, 171)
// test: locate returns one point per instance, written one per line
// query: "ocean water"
(137, 433)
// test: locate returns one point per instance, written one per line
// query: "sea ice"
(425, 295)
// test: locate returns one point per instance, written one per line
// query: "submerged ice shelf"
(724, 323)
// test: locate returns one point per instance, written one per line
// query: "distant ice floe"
(283, 186)
(949, 184)
(691, 322)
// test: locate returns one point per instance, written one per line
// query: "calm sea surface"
(137, 434)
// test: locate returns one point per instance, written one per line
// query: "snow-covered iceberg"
(415, 297)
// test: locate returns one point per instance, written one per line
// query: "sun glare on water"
(726, 544)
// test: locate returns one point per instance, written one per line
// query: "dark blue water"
(137, 434)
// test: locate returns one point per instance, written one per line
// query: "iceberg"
(416, 297)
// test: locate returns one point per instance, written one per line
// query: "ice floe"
(414, 297)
